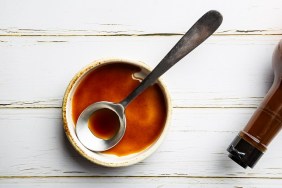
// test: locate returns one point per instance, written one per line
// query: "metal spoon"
(199, 32)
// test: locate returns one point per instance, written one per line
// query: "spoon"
(198, 33)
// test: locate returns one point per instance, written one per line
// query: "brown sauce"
(145, 116)
(104, 123)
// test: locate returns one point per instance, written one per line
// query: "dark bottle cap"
(243, 153)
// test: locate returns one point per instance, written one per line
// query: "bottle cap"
(243, 153)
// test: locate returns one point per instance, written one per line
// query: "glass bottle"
(250, 144)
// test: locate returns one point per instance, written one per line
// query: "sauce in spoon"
(104, 123)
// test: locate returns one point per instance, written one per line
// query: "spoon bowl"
(93, 142)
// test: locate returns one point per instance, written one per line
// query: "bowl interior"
(101, 158)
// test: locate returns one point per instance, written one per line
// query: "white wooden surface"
(214, 90)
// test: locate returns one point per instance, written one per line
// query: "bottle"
(250, 144)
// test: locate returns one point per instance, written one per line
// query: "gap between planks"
(105, 34)
(141, 177)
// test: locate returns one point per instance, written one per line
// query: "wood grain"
(120, 182)
(34, 144)
(222, 72)
(127, 17)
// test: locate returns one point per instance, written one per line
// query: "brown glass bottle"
(250, 144)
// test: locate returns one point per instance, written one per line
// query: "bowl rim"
(75, 142)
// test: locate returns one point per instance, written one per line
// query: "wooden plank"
(149, 182)
(127, 17)
(33, 143)
(223, 72)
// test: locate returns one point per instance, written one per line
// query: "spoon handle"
(198, 33)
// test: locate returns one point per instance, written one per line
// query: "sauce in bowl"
(145, 116)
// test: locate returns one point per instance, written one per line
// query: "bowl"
(70, 107)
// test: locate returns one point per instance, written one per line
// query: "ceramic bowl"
(101, 158)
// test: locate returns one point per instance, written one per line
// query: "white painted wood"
(222, 72)
(33, 143)
(214, 90)
(88, 17)
(147, 182)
